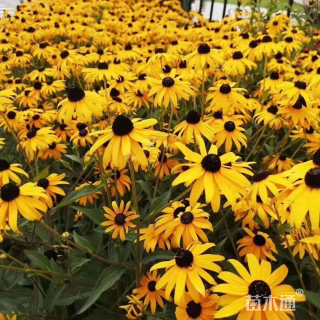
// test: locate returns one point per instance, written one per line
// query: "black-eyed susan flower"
(148, 291)
(163, 165)
(267, 47)
(170, 213)
(204, 55)
(189, 226)
(270, 116)
(101, 73)
(214, 174)
(8, 172)
(258, 244)
(124, 137)
(134, 308)
(302, 241)
(38, 140)
(237, 65)
(295, 91)
(119, 219)
(193, 126)
(280, 163)
(151, 239)
(89, 197)
(78, 216)
(204, 309)
(229, 131)
(259, 285)
(80, 105)
(186, 269)
(302, 197)
(55, 150)
(51, 187)
(265, 184)
(151, 153)
(6, 98)
(298, 113)
(289, 44)
(120, 180)
(25, 200)
(226, 98)
(247, 210)
(11, 122)
(81, 135)
(170, 89)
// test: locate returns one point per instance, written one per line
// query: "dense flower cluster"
(118, 105)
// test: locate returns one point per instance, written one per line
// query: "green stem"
(136, 208)
(96, 256)
(292, 256)
(257, 142)
(229, 234)
(314, 264)
(202, 95)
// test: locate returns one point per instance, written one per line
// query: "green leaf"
(77, 194)
(81, 241)
(74, 158)
(219, 246)
(42, 232)
(158, 203)
(106, 280)
(38, 259)
(51, 299)
(313, 298)
(43, 174)
(87, 163)
(158, 254)
(96, 215)
(77, 263)
(66, 164)
(144, 187)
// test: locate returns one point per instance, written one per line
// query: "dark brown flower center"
(9, 192)
(300, 85)
(273, 109)
(75, 94)
(152, 286)
(211, 163)
(260, 290)
(11, 115)
(122, 126)
(193, 117)
(266, 39)
(186, 217)
(260, 175)
(4, 165)
(237, 55)
(167, 82)
(203, 48)
(312, 178)
(193, 309)
(229, 126)
(316, 158)
(43, 183)
(64, 54)
(103, 66)
(259, 240)
(225, 89)
(184, 258)
(120, 219)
